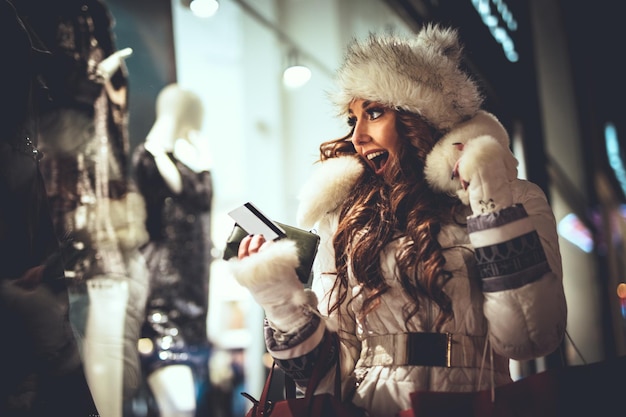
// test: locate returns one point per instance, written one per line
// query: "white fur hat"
(420, 74)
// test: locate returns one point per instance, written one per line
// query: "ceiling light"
(204, 8)
(296, 75)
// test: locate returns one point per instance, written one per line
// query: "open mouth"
(378, 160)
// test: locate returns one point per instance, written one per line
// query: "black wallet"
(306, 242)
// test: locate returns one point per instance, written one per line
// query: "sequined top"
(178, 253)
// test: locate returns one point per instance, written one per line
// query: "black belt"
(427, 349)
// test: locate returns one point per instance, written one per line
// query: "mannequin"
(83, 133)
(41, 373)
(172, 170)
(108, 293)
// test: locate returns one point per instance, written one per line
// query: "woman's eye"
(375, 113)
(352, 121)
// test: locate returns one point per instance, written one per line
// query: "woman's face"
(374, 133)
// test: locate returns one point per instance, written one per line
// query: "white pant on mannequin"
(173, 390)
(104, 343)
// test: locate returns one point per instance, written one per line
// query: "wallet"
(307, 243)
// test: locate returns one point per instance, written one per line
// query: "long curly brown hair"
(381, 209)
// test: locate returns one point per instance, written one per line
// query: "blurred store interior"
(551, 70)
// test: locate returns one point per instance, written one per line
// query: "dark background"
(145, 26)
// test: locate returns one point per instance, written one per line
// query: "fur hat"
(420, 74)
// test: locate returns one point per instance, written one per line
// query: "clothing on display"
(177, 256)
(84, 135)
(41, 370)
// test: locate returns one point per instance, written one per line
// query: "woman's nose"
(360, 134)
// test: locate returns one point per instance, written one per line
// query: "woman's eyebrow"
(364, 105)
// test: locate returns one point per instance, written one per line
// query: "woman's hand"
(483, 171)
(270, 276)
(477, 154)
(251, 244)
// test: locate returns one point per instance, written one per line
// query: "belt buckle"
(448, 350)
(430, 349)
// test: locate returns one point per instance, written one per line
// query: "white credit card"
(254, 222)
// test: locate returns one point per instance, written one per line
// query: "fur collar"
(444, 155)
(333, 179)
(329, 184)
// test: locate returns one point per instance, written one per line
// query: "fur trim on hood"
(331, 181)
(421, 74)
(481, 130)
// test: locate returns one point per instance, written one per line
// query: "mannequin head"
(179, 112)
(182, 105)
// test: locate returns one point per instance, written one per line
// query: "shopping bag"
(311, 405)
(594, 389)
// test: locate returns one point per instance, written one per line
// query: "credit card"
(254, 222)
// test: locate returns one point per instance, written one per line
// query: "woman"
(436, 265)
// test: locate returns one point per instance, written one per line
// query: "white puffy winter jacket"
(520, 310)
(522, 323)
